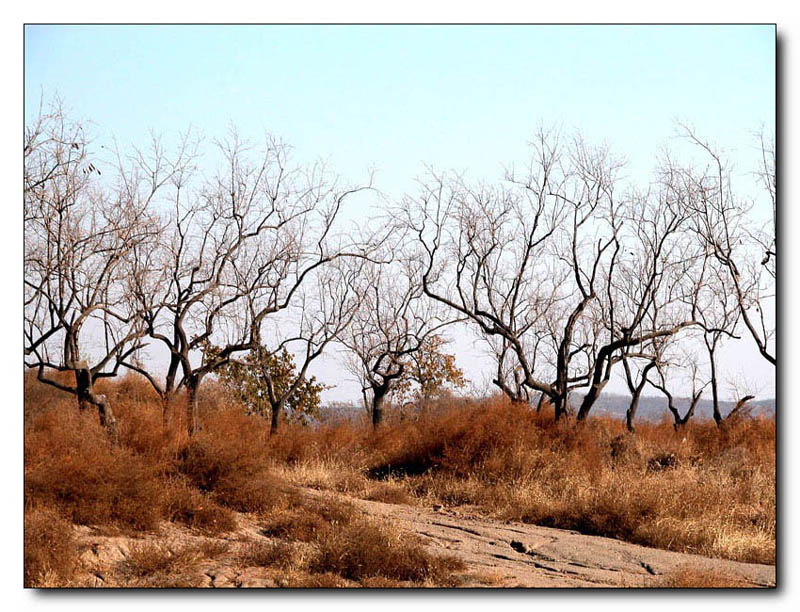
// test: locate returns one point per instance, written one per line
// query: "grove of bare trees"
(565, 270)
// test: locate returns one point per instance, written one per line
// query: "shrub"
(197, 511)
(688, 577)
(364, 549)
(71, 464)
(50, 556)
(306, 520)
(278, 554)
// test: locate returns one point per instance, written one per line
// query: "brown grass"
(304, 580)
(365, 549)
(714, 496)
(197, 511)
(706, 490)
(305, 520)
(156, 565)
(148, 558)
(688, 577)
(273, 553)
(389, 493)
(51, 553)
(71, 465)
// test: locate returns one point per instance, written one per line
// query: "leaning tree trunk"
(169, 389)
(630, 414)
(738, 406)
(84, 386)
(680, 422)
(693, 406)
(590, 398)
(514, 396)
(165, 408)
(636, 393)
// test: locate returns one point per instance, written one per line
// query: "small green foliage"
(429, 373)
(248, 380)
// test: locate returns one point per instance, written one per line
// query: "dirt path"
(496, 553)
(520, 555)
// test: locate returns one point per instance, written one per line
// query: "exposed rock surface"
(496, 553)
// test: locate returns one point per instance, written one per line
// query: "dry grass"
(705, 490)
(366, 550)
(51, 553)
(148, 558)
(156, 565)
(197, 511)
(688, 577)
(304, 580)
(389, 493)
(274, 553)
(71, 465)
(305, 520)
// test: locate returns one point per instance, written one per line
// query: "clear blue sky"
(395, 97)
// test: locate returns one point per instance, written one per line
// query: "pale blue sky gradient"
(395, 97)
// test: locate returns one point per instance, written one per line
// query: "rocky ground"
(496, 554)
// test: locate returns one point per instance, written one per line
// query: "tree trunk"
(277, 411)
(636, 392)
(87, 397)
(680, 422)
(630, 414)
(166, 405)
(561, 406)
(714, 394)
(590, 398)
(192, 424)
(739, 405)
(693, 406)
(516, 398)
(378, 395)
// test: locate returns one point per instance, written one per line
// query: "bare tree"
(237, 251)
(508, 375)
(724, 225)
(649, 288)
(488, 256)
(393, 323)
(79, 232)
(323, 311)
(745, 391)
(766, 237)
(718, 315)
(689, 363)
(557, 272)
(636, 380)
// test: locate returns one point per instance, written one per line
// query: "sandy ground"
(499, 554)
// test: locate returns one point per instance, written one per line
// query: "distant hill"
(651, 408)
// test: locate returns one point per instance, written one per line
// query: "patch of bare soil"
(496, 554)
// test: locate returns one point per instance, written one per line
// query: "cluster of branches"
(565, 274)
(559, 269)
(204, 269)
